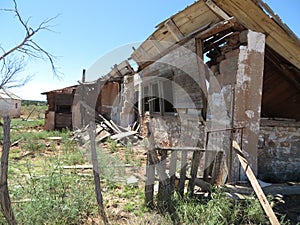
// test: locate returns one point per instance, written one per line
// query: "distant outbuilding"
(10, 104)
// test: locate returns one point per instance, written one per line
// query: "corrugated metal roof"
(6, 94)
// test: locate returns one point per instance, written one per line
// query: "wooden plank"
(201, 32)
(194, 170)
(156, 44)
(258, 191)
(161, 187)
(192, 14)
(180, 148)
(79, 167)
(115, 126)
(182, 178)
(174, 30)
(108, 124)
(150, 178)
(103, 134)
(122, 135)
(220, 171)
(283, 189)
(216, 9)
(199, 21)
(172, 172)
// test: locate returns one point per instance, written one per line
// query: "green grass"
(217, 209)
(41, 191)
(52, 198)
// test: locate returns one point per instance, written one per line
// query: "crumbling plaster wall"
(234, 98)
(279, 151)
(127, 102)
(182, 127)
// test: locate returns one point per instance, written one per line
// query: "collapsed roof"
(206, 19)
(204, 15)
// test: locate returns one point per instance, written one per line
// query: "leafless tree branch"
(28, 47)
(9, 73)
(12, 62)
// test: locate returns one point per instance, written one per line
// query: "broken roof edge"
(6, 94)
(267, 9)
(60, 89)
(164, 21)
(118, 71)
(148, 52)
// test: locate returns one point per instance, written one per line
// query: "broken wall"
(107, 99)
(234, 99)
(128, 110)
(60, 108)
(181, 127)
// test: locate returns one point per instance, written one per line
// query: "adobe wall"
(279, 151)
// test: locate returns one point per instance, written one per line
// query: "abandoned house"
(10, 104)
(220, 71)
(60, 108)
(216, 72)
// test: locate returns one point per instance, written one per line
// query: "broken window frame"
(149, 102)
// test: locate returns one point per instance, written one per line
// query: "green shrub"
(217, 209)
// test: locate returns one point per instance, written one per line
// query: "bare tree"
(12, 62)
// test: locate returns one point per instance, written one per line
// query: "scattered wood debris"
(107, 129)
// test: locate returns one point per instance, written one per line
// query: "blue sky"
(86, 31)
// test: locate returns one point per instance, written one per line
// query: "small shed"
(10, 104)
(60, 107)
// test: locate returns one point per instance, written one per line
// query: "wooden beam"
(202, 33)
(183, 148)
(258, 191)
(174, 30)
(156, 44)
(216, 9)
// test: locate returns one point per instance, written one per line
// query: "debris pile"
(108, 129)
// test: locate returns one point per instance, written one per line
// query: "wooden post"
(172, 172)
(150, 177)
(219, 173)
(162, 195)
(182, 173)
(165, 195)
(99, 198)
(4, 193)
(194, 170)
(82, 100)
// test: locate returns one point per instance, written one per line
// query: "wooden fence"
(181, 168)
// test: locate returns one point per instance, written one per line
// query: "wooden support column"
(248, 94)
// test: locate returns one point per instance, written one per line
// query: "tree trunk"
(4, 194)
(96, 173)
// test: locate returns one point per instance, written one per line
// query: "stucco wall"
(11, 107)
(279, 151)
